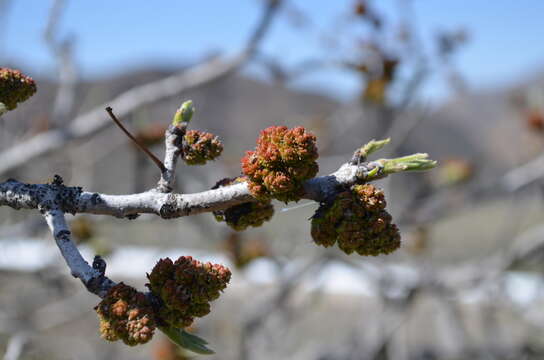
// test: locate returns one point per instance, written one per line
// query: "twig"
(524, 175)
(92, 277)
(170, 205)
(15, 346)
(140, 146)
(173, 142)
(67, 72)
(276, 302)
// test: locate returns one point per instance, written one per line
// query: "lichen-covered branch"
(171, 205)
(91, 276)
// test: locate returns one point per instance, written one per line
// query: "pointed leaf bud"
(184, 113)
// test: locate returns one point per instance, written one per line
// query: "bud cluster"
(126, 314)
(240, 217)
(200, 146)
(15, 87)
(358, 222)
(186, 288)
(282, 161)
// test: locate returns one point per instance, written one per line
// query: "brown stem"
(142, 147)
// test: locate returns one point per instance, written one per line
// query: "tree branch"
(66, 67)
(19, 195)
(92, 277)
(170, 205)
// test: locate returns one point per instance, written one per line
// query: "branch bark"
(92, 277)
(19, 195)
(173, 140)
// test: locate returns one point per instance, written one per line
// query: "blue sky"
(505, 36)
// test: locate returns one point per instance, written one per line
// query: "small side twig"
(140, 146)
(173, 139)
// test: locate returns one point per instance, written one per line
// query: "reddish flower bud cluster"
(282, 161)
(200, 146)
(15, 87)
(126, 314)
(240, 217)
(358, 221)
(186, 288)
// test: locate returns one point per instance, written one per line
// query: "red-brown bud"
(280, 164)
(15, 87)
(240, 217)
(186, 287)
(126, 314)
(200, 146)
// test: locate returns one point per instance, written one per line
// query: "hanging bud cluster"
(186, 288)
(15, 87)
(200, 146)
(282, 161)
(240, 217)
(358, 222)
(126, 314)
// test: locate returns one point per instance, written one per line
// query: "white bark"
(173, 139)
(167, 205)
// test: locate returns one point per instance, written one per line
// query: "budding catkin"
(282, 161)
(358, 222)
(15, 87)
(126, 314)
(186, 287)
(240, 217)
(200, 146)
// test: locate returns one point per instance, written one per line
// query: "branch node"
(99, 264)
(57, 180)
